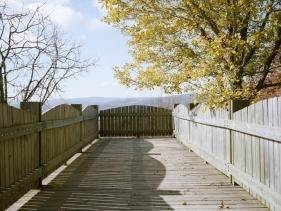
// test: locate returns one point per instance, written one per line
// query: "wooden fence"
(32, 144)
(136, 120)
(243, 142)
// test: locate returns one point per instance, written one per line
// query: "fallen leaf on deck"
(222, 205)
(184, 203)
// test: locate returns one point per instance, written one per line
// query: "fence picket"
(256, 155)
(136, 120)
(19, 155)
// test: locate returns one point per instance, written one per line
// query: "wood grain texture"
(256, 143)
(18, 155)
(23, 159)
(141, 174)
(137, 120)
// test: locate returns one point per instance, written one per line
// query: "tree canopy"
(220, 50)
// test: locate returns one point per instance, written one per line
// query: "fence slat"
(20, 153)
(256, 132)
(136, 120)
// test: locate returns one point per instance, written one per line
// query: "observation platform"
(141, 174)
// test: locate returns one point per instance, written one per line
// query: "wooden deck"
(141, 174)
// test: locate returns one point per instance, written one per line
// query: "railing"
(136, 120)
(33, 145)
(243, 142)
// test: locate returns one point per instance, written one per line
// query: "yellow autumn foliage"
(220, 50)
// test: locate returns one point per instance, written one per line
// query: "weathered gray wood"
(30, 178)
(24, 150)
(233, 106)
(266, 192)
(279, 145)
(141, 174)
(137, 132)
(17, 131)
(21, 130)
(19, 155)
(262, 131)
(141, 113)
(36, 109)
(256, 143)
(136, 120)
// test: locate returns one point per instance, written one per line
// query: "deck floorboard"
(141, 174)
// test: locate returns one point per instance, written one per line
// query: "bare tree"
(36, 56)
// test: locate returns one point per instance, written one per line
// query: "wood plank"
(112, 123)
(115, 121)
(270, 114)
(141, 121)
(279, 145)
(141, 174)
(102, 122)
(2, 152)
(266, 152)
(276, 152)
(108, 122)
(262, 131)
(135, 119)
(120, 122)
(123, 122)
(6, 148)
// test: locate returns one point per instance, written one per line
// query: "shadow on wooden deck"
(140, 174)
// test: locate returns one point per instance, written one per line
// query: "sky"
(81, 19)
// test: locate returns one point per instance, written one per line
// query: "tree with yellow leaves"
(220, 50)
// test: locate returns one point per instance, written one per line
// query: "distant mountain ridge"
(107, 102)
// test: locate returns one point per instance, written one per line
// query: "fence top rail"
(136, 114)
(261, 130)
(140, 106)
(25, 129)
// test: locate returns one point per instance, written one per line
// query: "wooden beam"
(138, 132)
(268, 194)
(21, 130)
(136, 114)
(62, 122)
(16, 131)
(90, 117)
(262, 131)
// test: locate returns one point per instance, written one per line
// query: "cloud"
(67, 17)
(94, 24)
(97, 5)
(83, 38)
(64, 15)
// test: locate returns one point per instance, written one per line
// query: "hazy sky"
(81, 20)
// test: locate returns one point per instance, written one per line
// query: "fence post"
(190, 106)
(173, 120)
(79, 108)
(98, 119)
(36, 109)
(233, 106)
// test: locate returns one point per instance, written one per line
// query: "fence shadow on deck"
(118, 174)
